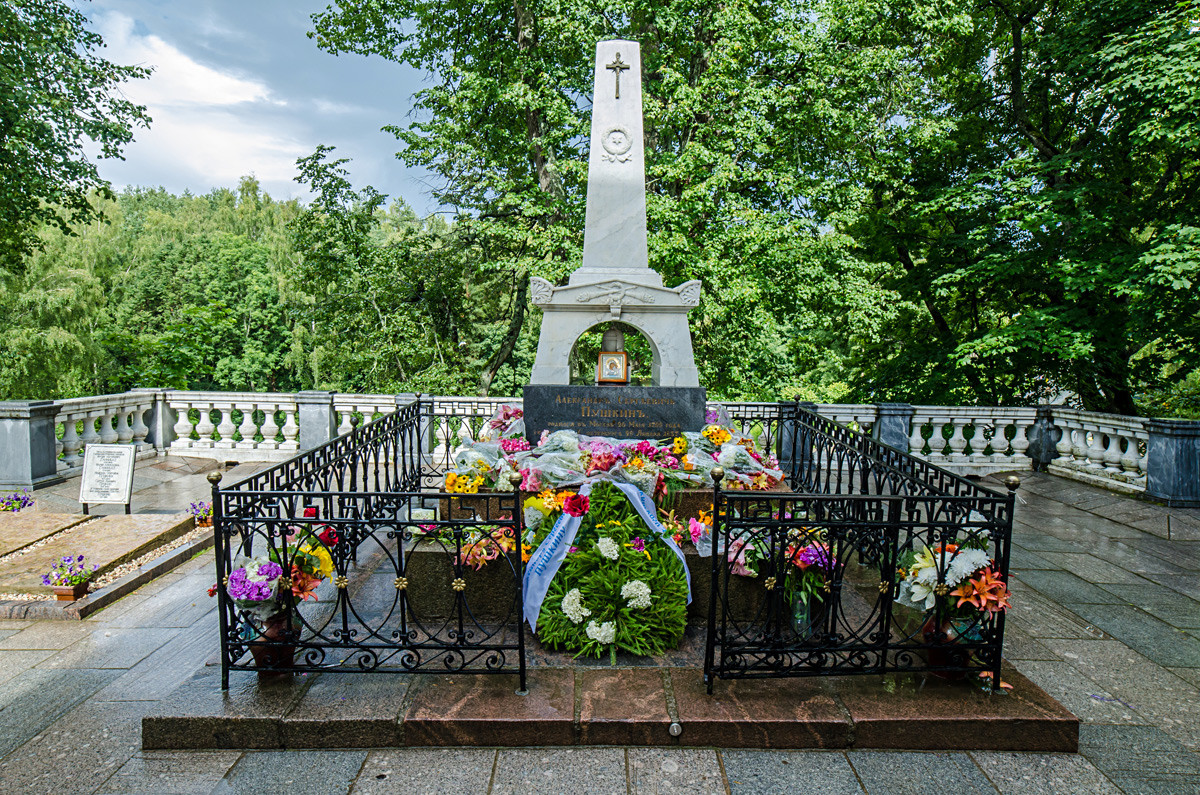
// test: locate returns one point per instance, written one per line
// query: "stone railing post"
(892, 424)
(1043, 439)
(28, 456)
(162, 419)
(315, 416)
(1173, 468)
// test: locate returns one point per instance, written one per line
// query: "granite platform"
(586, 705)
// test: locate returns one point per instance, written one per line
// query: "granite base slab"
(602, 705)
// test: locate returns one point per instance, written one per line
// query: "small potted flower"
(69, 578)
(16, 501)
(202, 512)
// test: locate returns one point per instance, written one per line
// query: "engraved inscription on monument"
(107, 473)
(627, 412)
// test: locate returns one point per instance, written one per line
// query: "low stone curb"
(17, 609)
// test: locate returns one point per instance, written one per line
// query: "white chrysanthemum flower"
(965, 563)
(533, 518)
(602, 633)
(572, 606)
(637, 593)
(608, 548)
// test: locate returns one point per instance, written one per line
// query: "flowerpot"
(945, 650)
(268, 655)
(70, 593)
(205, 522)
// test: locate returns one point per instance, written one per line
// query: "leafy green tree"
(56, 95)
(504, 129)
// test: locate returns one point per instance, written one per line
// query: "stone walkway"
(1106, 619)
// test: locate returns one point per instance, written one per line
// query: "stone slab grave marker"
(615, 281)
(107, 475)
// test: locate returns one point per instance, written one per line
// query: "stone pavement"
(1106, 619)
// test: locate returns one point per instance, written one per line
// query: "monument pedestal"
(622, 412)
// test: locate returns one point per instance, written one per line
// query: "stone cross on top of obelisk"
(614, 234)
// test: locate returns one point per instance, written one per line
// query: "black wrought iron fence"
(876, 563)
(348, 558)
(336, 561)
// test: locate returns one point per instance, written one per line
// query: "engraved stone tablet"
(625, 412)
(107, 474)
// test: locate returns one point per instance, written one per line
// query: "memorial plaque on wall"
(107, 473)
(624, 412)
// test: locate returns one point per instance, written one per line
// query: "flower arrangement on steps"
(69, 578)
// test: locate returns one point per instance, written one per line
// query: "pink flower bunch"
(575, 505)
(530, 480)
(738, 549)
(697, 529)
(514, 445)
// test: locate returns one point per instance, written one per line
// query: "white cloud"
(178, 80)
(208, 127)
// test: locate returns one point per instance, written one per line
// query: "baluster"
(205, 427)
(290, 430)
(1079, 444)
(1112, 454)
(139, 427)
(248, 428)
(345, 425)
(1020, 441)
(124, 422)
(89, 429)
(71, 443)
(937, 440)
(183, 426)
(1095, 449)
(916, 442)
(225, 427)
(269, 428)
(1064, 445)
(999, 442)
(1144, 460)
(108, 434)
(1129, 459)
(958, 442)
(465, 435)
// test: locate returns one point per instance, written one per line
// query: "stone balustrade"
(972, 440)
(1110, 449)
(1105, 449)
(101, 419)
(233, 426)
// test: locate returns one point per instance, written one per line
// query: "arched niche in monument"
(642, 352)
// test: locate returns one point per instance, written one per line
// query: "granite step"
(602, 705)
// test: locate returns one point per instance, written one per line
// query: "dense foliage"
(56, 95)
(937, 201)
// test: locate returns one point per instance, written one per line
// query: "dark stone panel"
(623, 412)
(623, 706)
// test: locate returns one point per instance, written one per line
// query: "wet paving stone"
(1030, 774)
(1066, 588)
(426, 770)
(35, 698)
(659, 771)
(915, 773)
(1161, 602)
(559, 772)
(170, 773)
(789, 773)
(1157, 640)
(310, 773)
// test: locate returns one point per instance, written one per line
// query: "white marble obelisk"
(615, 281)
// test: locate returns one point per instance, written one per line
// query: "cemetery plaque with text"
(623, 412)
(107, 473)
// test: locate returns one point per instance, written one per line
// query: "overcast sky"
(239, 89)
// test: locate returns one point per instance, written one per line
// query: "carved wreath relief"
(617, 142)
